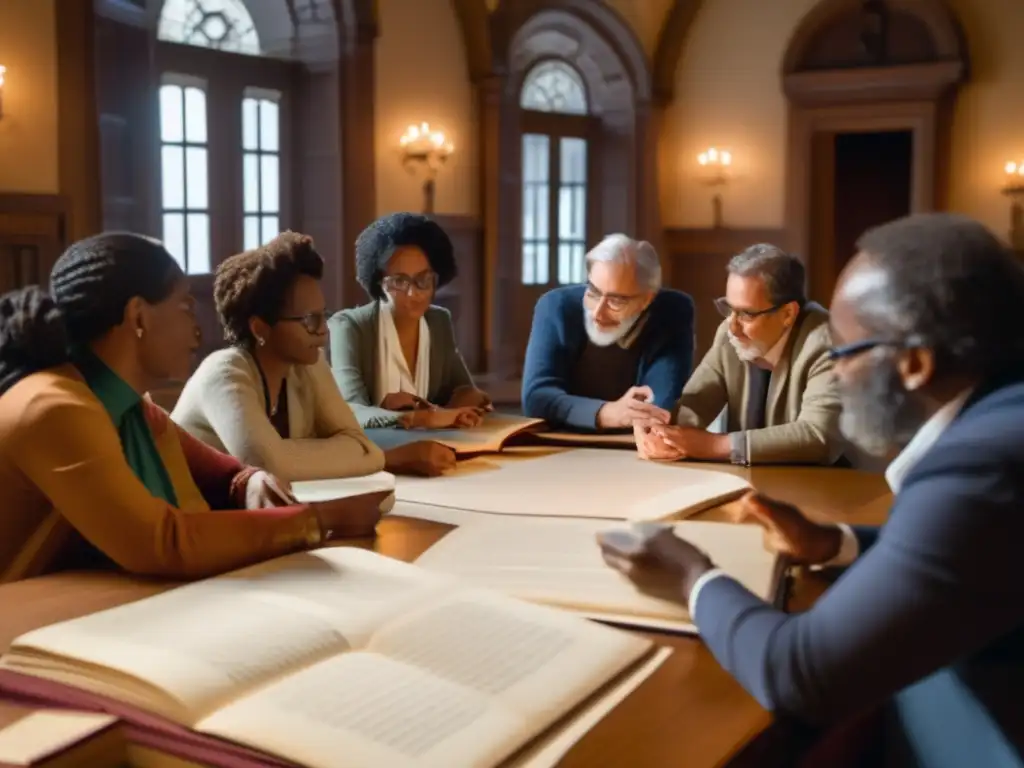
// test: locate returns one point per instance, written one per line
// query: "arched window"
(554, 174)
(224, 25)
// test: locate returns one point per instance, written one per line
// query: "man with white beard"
(612, 351)
(927, 621)
(768, 365)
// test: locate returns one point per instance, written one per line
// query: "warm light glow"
(423, 142)
(715, 157)
(3, 70)
(1015, 169)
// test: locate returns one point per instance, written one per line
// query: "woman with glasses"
(269, 398)
(395, 359)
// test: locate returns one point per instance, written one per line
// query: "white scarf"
(393, 373)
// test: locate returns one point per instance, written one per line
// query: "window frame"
(260, 214)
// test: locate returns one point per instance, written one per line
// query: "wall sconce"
(421, 145)
(3, 71)
(1013, 188)
(715, 167)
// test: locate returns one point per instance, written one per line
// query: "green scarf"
(124, 405)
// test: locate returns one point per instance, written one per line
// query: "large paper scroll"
(558, 563)
(584, 483)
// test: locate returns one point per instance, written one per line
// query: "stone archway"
(855, 67)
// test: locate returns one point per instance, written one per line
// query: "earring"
(138, 332)
(260, 340)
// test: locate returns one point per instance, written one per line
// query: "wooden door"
(559, 217)
(820, 258)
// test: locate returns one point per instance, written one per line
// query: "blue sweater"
(558, 337)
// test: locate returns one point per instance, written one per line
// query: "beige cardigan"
(224, 405)
(802, 413)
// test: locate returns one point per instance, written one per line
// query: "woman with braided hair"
(92, 473)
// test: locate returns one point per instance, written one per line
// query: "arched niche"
(602, 48)
(854, 68)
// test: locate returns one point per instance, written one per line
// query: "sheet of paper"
(40, 734)
(558, 562)
(594, 483)
(310, 491)
(585, 439)
(487, 437)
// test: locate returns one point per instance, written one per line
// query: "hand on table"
(424, 459)
(633, 406)
(667, 442)
(470, 397)
(263, 490)
(787, 531)
(652, 447)
(662, 566)
(405, 401)
(351, 517)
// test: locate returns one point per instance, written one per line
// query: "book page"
(608, 439)
(464, 682)
(42, 733)
(559, 563)
(583, 483)
(310, 491)
(364, 710)
(487, 437)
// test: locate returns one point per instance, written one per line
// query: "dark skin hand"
(787, 530)
(351, 517)
(404, 401)
(664, 566)
(423, 459)
(470, 397)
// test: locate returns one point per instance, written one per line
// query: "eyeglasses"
(744, 315)
(313, 322)
(616, 302)
(854, 348)
(401, 283)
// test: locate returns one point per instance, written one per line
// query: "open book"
(310, 491)
(558, 562)
(489, 436)
(585, 482)
(54, 738)
(339, 658)
(585, 439)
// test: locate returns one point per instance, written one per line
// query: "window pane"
(224, 25)
(529, 212)
(579, 211)
(554, 86)
(251, 183)
(250, 124)
(269, 125)
(543, 199)
(171, 113)
(195, 116)
(573, 154)
(269, 228)
(174, 236)
(198, 244)
(535, 157)
(270, 185)
(541, 275)
(252, 233)
(579, 263)
(565, 251)
(172, 174)
(196, 182)
(529, 265)
(566, 219)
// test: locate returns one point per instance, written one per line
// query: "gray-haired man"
(614, 350)
(769, 365)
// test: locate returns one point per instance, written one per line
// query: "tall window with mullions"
(261, 167)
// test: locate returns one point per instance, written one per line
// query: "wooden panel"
(694, 260)
(463, 296)
(33, 234)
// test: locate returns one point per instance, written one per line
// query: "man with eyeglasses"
(617, 349)
(929, 616)
(768, 367)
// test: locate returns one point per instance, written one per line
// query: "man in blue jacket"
(928, 617)
(613, 351)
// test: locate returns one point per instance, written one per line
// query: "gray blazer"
(354, 364)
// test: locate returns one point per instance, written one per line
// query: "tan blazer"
(802, 411)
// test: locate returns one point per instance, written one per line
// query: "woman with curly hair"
(92, 473)
(395, 359)
(269, 399)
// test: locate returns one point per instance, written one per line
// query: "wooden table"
(689, 714)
